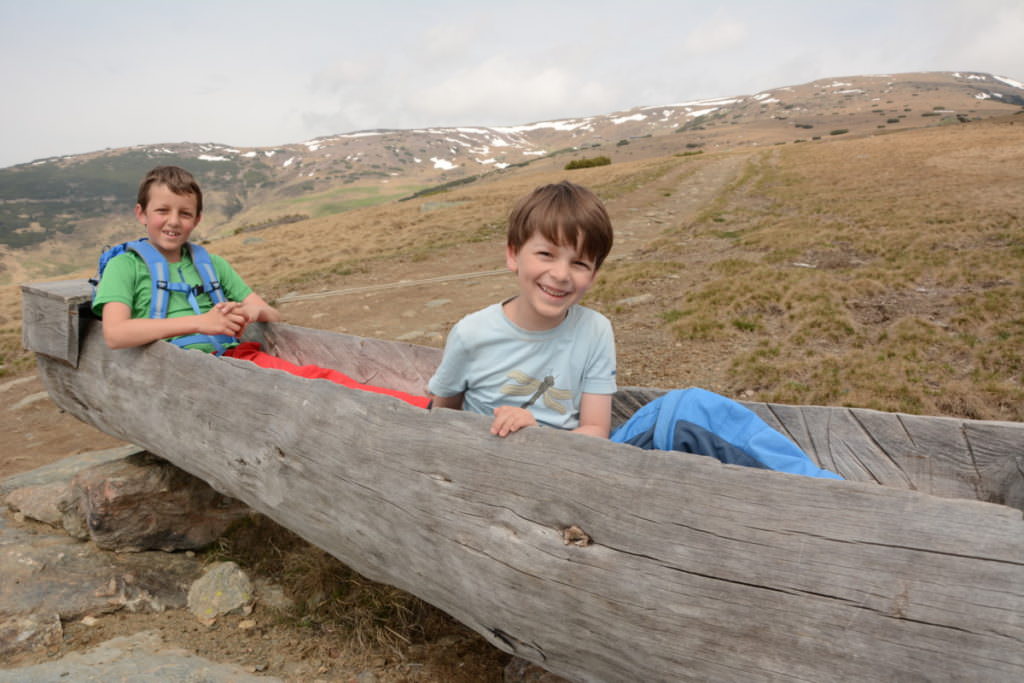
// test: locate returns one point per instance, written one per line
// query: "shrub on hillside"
(587, 163)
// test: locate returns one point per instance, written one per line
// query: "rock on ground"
(140, 658)
(129, 504)
(223, 589)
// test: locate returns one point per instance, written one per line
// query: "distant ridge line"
(288, 298)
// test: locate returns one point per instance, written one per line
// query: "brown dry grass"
(328, 596)
(883, 273)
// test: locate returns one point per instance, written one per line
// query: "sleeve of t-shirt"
(232, 283)
(117, 283)
(450, 377)
(600, 373)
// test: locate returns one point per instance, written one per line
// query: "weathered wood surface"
(953, 458)
(697, 571)
(50, 317)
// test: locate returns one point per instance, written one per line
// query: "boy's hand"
(508, 419)
(256, 310)
(224, 318)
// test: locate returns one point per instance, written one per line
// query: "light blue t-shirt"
(494, 362)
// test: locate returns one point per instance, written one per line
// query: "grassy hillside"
(882, 272)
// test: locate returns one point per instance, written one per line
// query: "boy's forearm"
(595, 415)
(259, 311)
(125, 334)
(121, 331)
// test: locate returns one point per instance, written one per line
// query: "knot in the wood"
(573, 535)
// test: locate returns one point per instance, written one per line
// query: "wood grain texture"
(50, 317)
(697, 571)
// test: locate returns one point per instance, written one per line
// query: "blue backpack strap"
(211, 284)
(212, 288)
(160, 277)
(218, 341)
(106, 255)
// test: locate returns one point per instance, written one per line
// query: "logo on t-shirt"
(522, 385)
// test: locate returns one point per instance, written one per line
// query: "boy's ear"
(512, 258)
(140, 214)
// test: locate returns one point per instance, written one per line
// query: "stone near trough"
(127, 500)
(41, 503)
(144, 503)
(140, 658)
(123, 499)
(223, 589)
(47, 577)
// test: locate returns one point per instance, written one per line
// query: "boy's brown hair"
(564, 214)
(178, 180)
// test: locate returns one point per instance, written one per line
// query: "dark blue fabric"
(699, 421)
(690, 438)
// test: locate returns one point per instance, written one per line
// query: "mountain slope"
(55, 211)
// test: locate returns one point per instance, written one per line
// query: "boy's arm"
(452, 402)
(121, 331)
(595, 415)
(256, 310)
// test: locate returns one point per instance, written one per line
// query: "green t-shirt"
(126, 279)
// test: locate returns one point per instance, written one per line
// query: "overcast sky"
(82, 75)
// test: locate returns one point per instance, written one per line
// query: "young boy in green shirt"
(170, 205)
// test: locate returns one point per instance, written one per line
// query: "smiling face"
(169, 219)
(551, 277)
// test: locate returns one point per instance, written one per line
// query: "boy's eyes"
(579, 263)
(161, 210)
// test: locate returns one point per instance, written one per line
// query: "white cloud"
(499, 89)
(719, 36)
(336, 76)
(994, 38)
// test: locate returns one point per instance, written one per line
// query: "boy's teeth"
(552, 292)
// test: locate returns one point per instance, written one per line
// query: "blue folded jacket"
(700, 421)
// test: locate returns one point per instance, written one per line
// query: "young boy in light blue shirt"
(539, 357)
